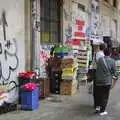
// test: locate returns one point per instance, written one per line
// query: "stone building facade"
(23, 29)
(109, 16)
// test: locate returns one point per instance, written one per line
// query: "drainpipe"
(35, 34)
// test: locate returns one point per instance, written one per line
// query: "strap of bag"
(106, 65)
(94, 61)
(114, 77)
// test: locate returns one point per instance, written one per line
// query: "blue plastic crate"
(61, 54)
(30, 100)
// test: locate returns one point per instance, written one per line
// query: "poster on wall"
(75, 22)
(96, 32)
(44, 56)
(67, 26)
(79, 23)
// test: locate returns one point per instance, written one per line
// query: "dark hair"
(107, 52)
(102, 46)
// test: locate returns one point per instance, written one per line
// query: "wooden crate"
(45, 87)
(68, 87)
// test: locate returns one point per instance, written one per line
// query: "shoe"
(103, 113)
(97, 108)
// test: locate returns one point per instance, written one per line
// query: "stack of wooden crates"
(69, 82)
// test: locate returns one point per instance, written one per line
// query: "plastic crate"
(57, 50)
(30, 100)
(65, 49)
(26, 77)
(61, 54)
(62, 49)
(23, 81)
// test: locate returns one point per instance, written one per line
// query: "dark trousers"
(94, 86)
(101, 95)
(94, 95)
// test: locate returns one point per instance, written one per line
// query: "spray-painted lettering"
(8, 55)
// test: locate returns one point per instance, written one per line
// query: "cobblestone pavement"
(78, 107)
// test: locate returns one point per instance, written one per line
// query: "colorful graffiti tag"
(67, 27)
(68, 34)
(44, 56)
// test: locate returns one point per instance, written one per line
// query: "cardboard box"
(68, 87)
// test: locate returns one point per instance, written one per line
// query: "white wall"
(15, 58)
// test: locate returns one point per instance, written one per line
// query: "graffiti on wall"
(35, 6)
(36, 15)
(65, 14)
(44, 56)
(67, 27)
(8, 55)
(95, 16)
(68, 34)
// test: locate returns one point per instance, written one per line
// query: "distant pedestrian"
(104, 74)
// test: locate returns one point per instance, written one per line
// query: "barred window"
(115, 3)
(50, 21)
(106, 0)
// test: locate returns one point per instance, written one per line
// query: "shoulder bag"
(114, 78)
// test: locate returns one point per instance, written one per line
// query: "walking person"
(99, 54)
(104, 75)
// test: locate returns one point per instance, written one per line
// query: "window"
(81, 7)
(106, 0)
(114, 29)
(115, 3)
(50, 21)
